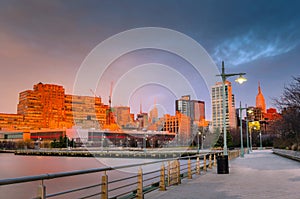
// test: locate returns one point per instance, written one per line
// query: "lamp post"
(260, 141)
(199, 133)
(252, 126)
(247, 134)
(241, 129)
(260, 126)
(240, 80)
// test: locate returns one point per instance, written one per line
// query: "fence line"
(170, 173)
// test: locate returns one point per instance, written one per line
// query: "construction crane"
(110, 118)
(94, 93)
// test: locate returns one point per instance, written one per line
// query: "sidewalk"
(260, 174)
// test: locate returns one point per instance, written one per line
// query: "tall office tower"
(142, 119)
(217, 106)
(191, 113)
(192, 108)
(260, 100)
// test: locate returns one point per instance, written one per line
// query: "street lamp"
(253, 125)
(240, 80)
(249, 114)
(241, 129)
(260, 141)
(260, 126)
(199, 133)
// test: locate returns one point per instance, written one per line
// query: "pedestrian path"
(260, 174)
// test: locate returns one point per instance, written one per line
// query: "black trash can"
(222, 162)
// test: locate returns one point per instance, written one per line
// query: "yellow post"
(204, 163)
(162, 183)
(189, 169)
(139, 193)
(104, 187)
(42, 191)
(178, 172)
(198, 166)
(169, 174)
(210, 162)
(215, 160)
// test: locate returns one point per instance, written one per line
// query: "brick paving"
(260, 174)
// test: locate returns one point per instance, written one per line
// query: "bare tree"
(288, 126)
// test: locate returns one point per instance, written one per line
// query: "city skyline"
(258, 38)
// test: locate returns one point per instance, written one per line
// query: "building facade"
(192, 108)
(217, 106)
(180, 124)
(122, 116)
(48, 107)
(260, 100)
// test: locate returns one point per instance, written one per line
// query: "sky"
(51, 41)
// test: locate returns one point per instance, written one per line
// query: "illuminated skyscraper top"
(260, 100)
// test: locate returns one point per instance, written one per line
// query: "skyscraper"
(217, 108)
(192, 108)
(260, 100)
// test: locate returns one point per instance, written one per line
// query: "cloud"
(256, 44)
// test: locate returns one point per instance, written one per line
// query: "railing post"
(189, 169)
(42, 190)
(139, 194)
(198, 166)
(104, 186)
(204, 163)
(178, 171)
(169, 174)
(162, 184)
(215, 160)
(210, 162)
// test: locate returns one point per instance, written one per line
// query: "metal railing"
(135, 186)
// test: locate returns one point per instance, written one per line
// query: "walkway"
(260, 174)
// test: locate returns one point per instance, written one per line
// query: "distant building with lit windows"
(48, 107)
(180, 124)
(217, 106)
(122, 115)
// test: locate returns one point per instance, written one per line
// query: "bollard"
(104, 186)
(210, 162)
(204, 163)
(162, 183)
(198, 166)
(42, 190)
(189, 169)
(139, 193)
(215, 160)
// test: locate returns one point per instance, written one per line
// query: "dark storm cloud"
(40, 37)
(266, 30)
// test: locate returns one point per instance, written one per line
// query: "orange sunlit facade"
(47, 106)
(178, 124)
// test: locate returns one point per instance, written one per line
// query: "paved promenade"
(260, 174)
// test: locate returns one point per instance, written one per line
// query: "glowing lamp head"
(241, 79)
